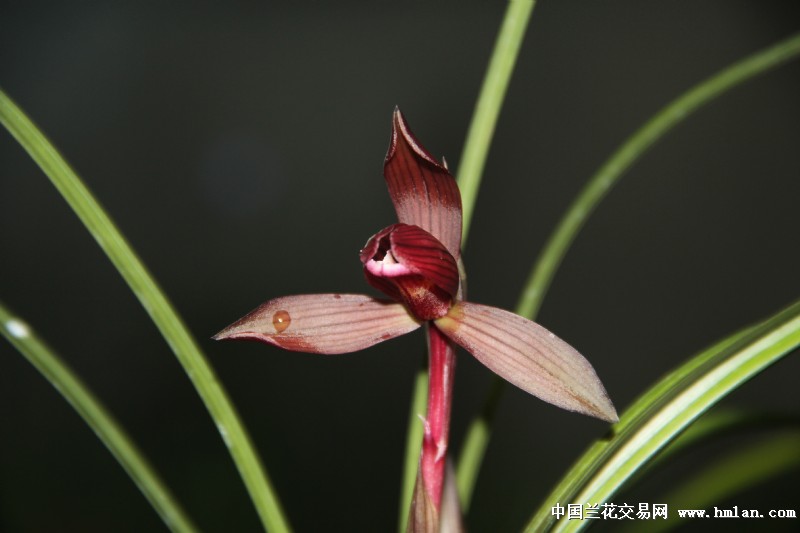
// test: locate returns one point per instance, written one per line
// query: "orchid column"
(416, 263)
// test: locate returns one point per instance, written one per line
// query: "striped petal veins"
(413, 267)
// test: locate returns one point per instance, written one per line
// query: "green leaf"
(720, 422)
(717, 481)
(631, 151)
(419, 403)
(487, 107)
(47, 362)
(594, 191)
(667, 409)
(157, 306)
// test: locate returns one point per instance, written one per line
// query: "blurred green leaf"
(665, 410)
(156, 304)
(94, 413)
(744, 468)
(594, 191)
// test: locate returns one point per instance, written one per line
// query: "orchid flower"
(417, 264)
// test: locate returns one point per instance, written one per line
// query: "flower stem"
(442, 357)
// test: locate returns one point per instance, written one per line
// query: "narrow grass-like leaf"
(741, 469)
(50, 365)
(718, 423)
(631, 150)
(639, 411)
(487, 107)
(157, 306)
(715, 424)
(666, 409)
(593, 192)
(478, 435)
(419, 403)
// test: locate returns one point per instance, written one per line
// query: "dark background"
(239, 147)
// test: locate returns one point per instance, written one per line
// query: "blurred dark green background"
(239, 146)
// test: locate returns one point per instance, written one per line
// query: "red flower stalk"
(416, 263)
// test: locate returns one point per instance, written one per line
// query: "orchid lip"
(411, 266)
(403, 249)
(387, 267)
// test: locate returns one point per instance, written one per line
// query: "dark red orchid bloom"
(416, 263)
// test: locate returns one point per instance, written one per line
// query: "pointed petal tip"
(605, 411)
(594, 401)
(241, 329)
(401, 131)
(229, 332)
(222, 335)
(595, 404)
(226, 335)
(236, 332)
(398, 119)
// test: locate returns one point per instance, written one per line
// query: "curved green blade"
(155, 302)
(667, 409)
(25, 340)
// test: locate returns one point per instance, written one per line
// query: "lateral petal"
(528, 356)
(323, 323)
(422, 190)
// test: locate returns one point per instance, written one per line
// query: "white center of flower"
(388, 267)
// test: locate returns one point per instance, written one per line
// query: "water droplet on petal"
(281, 321)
